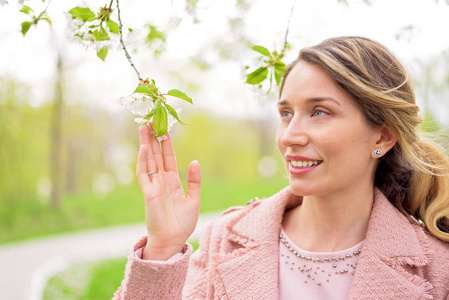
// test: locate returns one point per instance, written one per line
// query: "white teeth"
(304, 164)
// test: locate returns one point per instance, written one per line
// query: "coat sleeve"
(182, 278)
(153, 279)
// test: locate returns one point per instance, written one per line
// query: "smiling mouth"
(305, 164)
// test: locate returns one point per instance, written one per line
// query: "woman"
(349, 224)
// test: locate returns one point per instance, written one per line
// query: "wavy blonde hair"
(414, 174)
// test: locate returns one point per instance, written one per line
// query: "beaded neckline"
(313, 268)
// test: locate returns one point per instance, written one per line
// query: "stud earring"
(378, 153)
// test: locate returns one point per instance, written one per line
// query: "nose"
(295, 133)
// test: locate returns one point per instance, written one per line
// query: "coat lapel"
(251, 272)
(392, 248)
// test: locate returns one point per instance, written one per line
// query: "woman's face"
(324, 139)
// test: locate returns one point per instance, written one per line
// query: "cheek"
(355, 145)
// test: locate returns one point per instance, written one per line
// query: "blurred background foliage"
(98, 150)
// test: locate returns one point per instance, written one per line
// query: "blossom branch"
(123, 44)
(48, 4)
(288, 26)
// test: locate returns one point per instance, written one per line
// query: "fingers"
(156, 149)
(162, 155)
(146, 137)
(194, 180)
(168, 154)
(141, 168)
(145, 160)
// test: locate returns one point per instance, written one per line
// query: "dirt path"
(26, 266)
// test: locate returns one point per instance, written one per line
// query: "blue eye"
(319, 113)
(285, 114)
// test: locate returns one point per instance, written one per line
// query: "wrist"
(156, 251)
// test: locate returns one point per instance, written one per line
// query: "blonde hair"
(414, 174)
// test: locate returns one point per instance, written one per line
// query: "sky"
(31, 60)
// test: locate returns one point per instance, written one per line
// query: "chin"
(299, 190)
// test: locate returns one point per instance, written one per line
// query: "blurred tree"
(56, 137)
(23, 143)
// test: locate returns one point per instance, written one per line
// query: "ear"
(387, 139)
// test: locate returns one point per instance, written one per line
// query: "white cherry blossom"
(172, 120)
(138, 104)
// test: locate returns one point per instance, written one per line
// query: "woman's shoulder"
(240, 208)
(269, 207)
(234, 213)
(257, 214)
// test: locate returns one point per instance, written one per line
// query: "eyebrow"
(311, 100)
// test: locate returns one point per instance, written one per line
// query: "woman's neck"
(330, 223)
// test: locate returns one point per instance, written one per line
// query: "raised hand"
(171, 215)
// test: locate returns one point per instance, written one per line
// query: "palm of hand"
(171, 215)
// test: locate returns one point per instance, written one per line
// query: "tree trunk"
(56, 139)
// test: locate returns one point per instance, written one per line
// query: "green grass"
(87, 281)
(30, 218)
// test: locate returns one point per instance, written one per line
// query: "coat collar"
(391, 243)
(392, 247)
(251, 272)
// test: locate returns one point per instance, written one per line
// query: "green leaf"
(160, 122)
(26, 9)
(46, 19)
(262, 50)
(257, 76)
(280, 65)
(150, 114)
(279, 69)
(100, 34)
(102, 53)
(158, 103)
(113, 27)
(173, 112)
(25, 27)
(143, 89)
(180, 95)
(155, 34)
(83, 13)
(278, 75)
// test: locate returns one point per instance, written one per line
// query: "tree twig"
(123, 44)
(48, 4)
(288, 26)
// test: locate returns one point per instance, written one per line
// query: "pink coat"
(238, 259)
